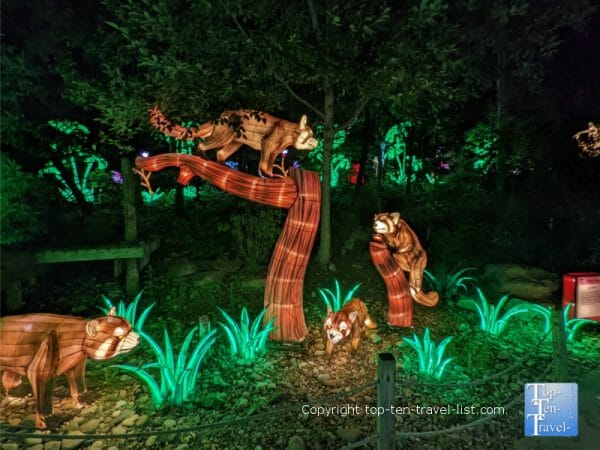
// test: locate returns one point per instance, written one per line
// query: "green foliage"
(128, 312)
(73, 152)
(340, 162)
(19, 221)
(254, 231)
(480, 146)
(448, 284)
(177, 377)
(571, 325)
(247, 342)
(431, 355)
(334, 301)
(150, 199)
(491, 319)
(396, 152)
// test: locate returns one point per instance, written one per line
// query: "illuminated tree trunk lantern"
(400, 302)
(300, 194)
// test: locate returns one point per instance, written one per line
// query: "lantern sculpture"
(258, 130)
(395, 249)
(300, 193)
(43, 346)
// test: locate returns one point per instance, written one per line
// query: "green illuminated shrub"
(571, 325)
(247, 342)
(128, 312)
(334, 301)
(448, 284)
(177, 376)
(430, 355)
(152, 198)
(491, 319)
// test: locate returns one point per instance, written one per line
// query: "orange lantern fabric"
(43, 346)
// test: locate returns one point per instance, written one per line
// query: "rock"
(52, 445)
(10, 446)
(130, 421)
(90, 426)
(142, 420)
(219, 381)
(295, 443)
(14, 422)
(97, 445)
(325, 379)
(226, 265)
(524, 282)
(120, 404)
(119, 430)
(182, 447)
(375, 338)
(68, 444)
(151, 441)
(319, 352)
(89, 410)
(206, 278)
(36, 447)
(179, 267)
(254, 283)
(348, 434)
(33, 441)
(169, 423)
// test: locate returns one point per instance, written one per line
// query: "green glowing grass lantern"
(128, 312)
(334, 301)
(431, 355)
(247, 342)
(177, 376)
(491, 320)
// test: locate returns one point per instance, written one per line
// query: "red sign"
(583, 290)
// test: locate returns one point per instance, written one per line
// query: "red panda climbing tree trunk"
(400, 303)
(300, 194)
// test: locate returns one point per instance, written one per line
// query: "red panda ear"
(395, 217)
(303, 121)
(352, 316)
(91, 328)
(113, 311)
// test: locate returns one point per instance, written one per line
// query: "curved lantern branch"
(301, 195)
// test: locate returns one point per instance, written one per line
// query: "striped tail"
(159, 121)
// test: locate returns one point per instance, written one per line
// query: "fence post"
(386, 392)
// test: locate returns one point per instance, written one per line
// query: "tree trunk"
(130, 193)
(501, 111)
(325, 240)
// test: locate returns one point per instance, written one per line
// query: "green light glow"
(339, 162)
(246, 342)
(177, 376)
(180, 145)
(396, 151)
(480, 143)
(74, 155)
(150, 199)
(128, 312)
(490, 319)
(334, 301)
(571, 325)
(448, 284)
(430, 355)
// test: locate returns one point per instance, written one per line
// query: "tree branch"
(277, 77)
(363, 103)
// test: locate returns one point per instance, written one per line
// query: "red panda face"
(108, 337)
(385, 223)
(338, 325)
